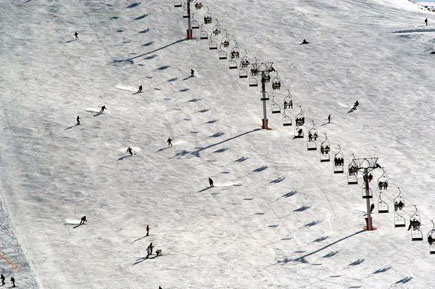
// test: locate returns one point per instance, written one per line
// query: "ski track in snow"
(277, 218)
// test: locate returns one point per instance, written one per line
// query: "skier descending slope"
(192, 73)
(130, 151)
(425, 21)
(76, 34)
(78, 120)
(83, 220)
(169, 141)
(13, 282)
(103, 108)
(148, 230)
(355, 105)
(3, 279)
(210, 182)
(140, 89)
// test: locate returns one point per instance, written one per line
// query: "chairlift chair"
(414, 226)
(383, 181)
(265, 96)
(243, 73)
(235, 53)
(195, 23)
(288, 100)
(365, 195)
(244, 61)
(212, 44)
(232, 64)
(185, 12)
(254, 69)
(352, 176)
(286, 120)
(266, 77)
(399, 220)
(324, 150)
(431, 239)
(382, 206)
(216, 29)
(312, 138)
(300, 118)
(253, 82)
(207, 17)
(203, 34)
(299, 131)
(275, 106)
(222, 53)
(178, 3)
(276, 82)
(399, 201)
(225, 41)
(198, 5)
(339, 162)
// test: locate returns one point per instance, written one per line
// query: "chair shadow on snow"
(145, 30)
(302, 259)
(277, 180)
(132, 5)
(141, 17)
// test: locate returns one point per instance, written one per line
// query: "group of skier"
(2, 278)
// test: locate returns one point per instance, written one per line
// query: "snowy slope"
(277, 217)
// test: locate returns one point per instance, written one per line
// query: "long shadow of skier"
(123, 157)
(141, 259)
(72, 40)
(70, 127)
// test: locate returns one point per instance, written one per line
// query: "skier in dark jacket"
(13, 281)
(355, 105)
(83, 220)
(210, 182)
(192, 73)
(103, 108)
(426, 21)
(140, 89)
(130, 151)
(169, 141)
(148, 230)
(78, 120)
(76, 34)
(3, 279)
(304, 42)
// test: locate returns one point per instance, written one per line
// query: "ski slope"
(277, 217)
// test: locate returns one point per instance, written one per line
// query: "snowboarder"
(83, 220)
(140, 89)
(192, 73)
(355, 105)
(169, 141)
(304, 42)
(76, 34)
(425, 21)
(372, 207)
(210, 182)
(148, 230)
(78, 120)
(329, 118)
(103, 108)
(13, 281)
(130, 151)
(3, 279)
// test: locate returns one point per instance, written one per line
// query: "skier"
(130, 151)
(329, 118)
(148, 230)
(160, 286)
(159, 252)
(192, 73)
(78, 120)
(425, 21)
(140, 89)
(13, 281)
(169, 141)
(372, 207)
(3, 279)
(76, 34)
(103, 108)
(83, 220)
(150, 249)
(210, 181)
(304, 42)
(355, 105)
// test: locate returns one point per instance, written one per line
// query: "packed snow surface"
(277, 217)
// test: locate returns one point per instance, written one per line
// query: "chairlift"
(216, 29)
(431, 239)
(276, 82)
(352, 170)
(195, 23)
(243, 73)
(383, 181)
(339, 162)
(244, 62)
(235, 53)
(266, 77)
(222, 53)
(299, 131)
(178, 3)
(203, 34)
(382, 206)
(212, 44)
(225, 40)
(414, 226)
(288, 100)
(399, 220)
(254, 69)
(207, 17)
(265, 96)
(198, 5)
(324, 150)
(275, 106)
(185, 12)
(232, 64)
(399, 201)
(286, 119)
(253, 82)
(312, 138)
(300, 118)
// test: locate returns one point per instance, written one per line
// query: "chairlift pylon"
(312, 138)
(324, 150)
(339, 162)
(382, 205)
